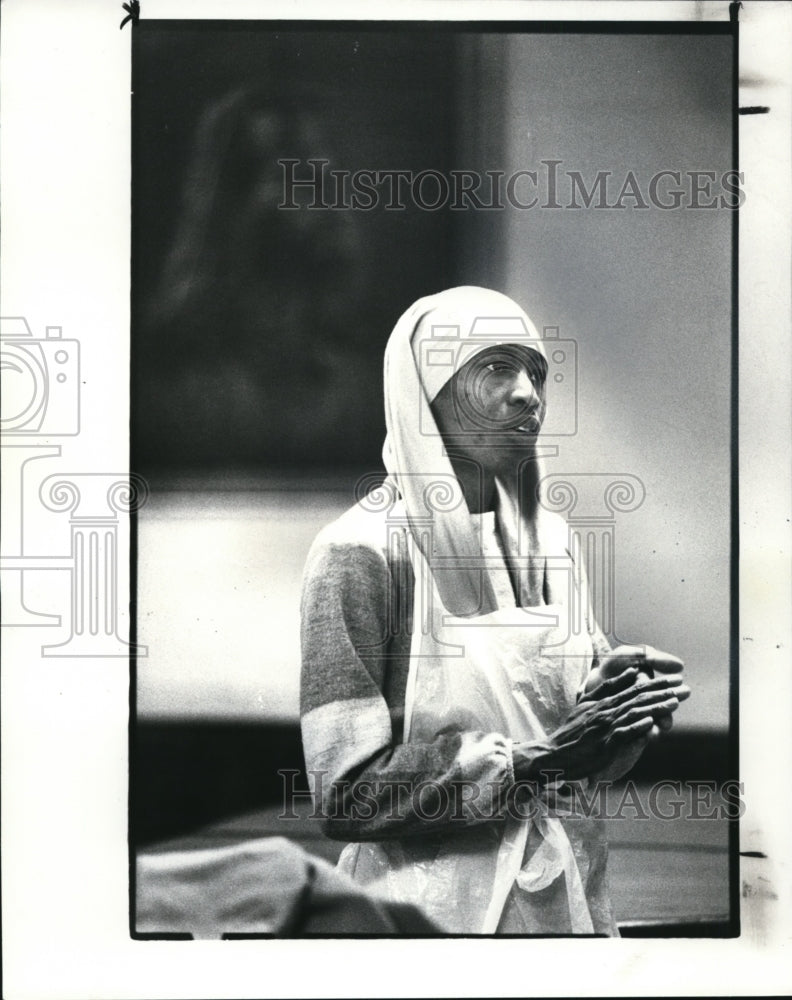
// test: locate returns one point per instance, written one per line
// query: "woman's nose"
(524, 391)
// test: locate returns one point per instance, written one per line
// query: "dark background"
(259, 332)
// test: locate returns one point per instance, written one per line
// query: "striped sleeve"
(368, 784)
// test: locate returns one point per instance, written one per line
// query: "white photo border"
(66, 174)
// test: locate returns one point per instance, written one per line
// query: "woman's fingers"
(663, 663)
(657, 708)
(629, 714)
(612, 686)
(682, 691)
(664, 723)
(672, 683)
(622, 658)
(657, 688)
(624, 707)
(633, 730)
(640, 711)
(622, 689)
(646, 658)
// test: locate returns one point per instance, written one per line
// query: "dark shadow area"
(190, 774)
(258, 327)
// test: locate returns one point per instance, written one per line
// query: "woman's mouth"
(531, 426)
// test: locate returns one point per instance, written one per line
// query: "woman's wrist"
(535, 761)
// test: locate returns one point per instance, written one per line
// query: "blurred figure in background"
(252, 348)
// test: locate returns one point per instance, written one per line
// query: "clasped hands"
(629, 698)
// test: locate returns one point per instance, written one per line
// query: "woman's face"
(491, 411)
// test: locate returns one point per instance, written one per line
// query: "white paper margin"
(65, 261)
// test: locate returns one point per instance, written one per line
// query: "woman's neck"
(477, 486)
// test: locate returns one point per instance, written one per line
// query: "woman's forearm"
(456, 781)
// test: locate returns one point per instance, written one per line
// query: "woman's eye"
(500, 366)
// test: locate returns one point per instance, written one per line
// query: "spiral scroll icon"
(442, 494)
(373, 494)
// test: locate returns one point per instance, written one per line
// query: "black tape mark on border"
(757, 109)
(133, 12)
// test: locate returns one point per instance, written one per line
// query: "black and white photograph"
(420, 595)
(536, 250)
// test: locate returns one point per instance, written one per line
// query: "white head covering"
(430, 343)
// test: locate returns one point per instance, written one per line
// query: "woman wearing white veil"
(454, 682)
